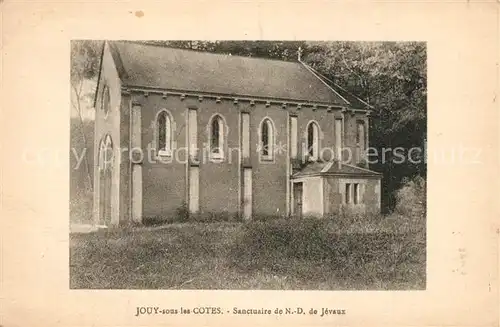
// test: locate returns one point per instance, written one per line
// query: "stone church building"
(187, 131)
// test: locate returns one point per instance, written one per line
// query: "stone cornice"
(251, 100)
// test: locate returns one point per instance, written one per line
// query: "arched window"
(106, 153)
(266, 139)
(164, 133)
(313, 140)
(216, 134)
(105, 100)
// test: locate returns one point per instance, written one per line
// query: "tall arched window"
(106, 153)
(266, 139)
(105, 100)
(164, 133)
(313, 140)
(216, 134)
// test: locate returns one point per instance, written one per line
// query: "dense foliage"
(392, 77)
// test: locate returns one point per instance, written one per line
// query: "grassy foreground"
(309, 254)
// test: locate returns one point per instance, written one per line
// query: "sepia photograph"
(247, 165)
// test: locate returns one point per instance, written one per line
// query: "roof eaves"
(343, 89)
(325, 171)
(363, 169)
(312, 71)
(115, 53)
(303, 102)
(99, 74)
(373, 175)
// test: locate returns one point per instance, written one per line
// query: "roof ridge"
(142, 42)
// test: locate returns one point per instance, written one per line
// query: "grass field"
(309, 254)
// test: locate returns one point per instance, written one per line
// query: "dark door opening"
(297, 199)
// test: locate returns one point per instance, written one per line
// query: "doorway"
(105, 180)
(297, 199)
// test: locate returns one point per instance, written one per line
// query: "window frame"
(347, 193)
(222, 126)
(169, 123)
(355, 193)
(105, 146)
(316, 137)
(271, 137)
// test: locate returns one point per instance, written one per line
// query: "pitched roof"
(155, 66)
(333, 168)
(354, 101)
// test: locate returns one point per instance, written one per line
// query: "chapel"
(181, 131)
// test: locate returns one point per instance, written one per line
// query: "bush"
(411, 198)
(410, 211)
(181, 213)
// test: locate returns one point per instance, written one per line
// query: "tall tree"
(84, 66)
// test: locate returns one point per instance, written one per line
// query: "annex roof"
(325, 168)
